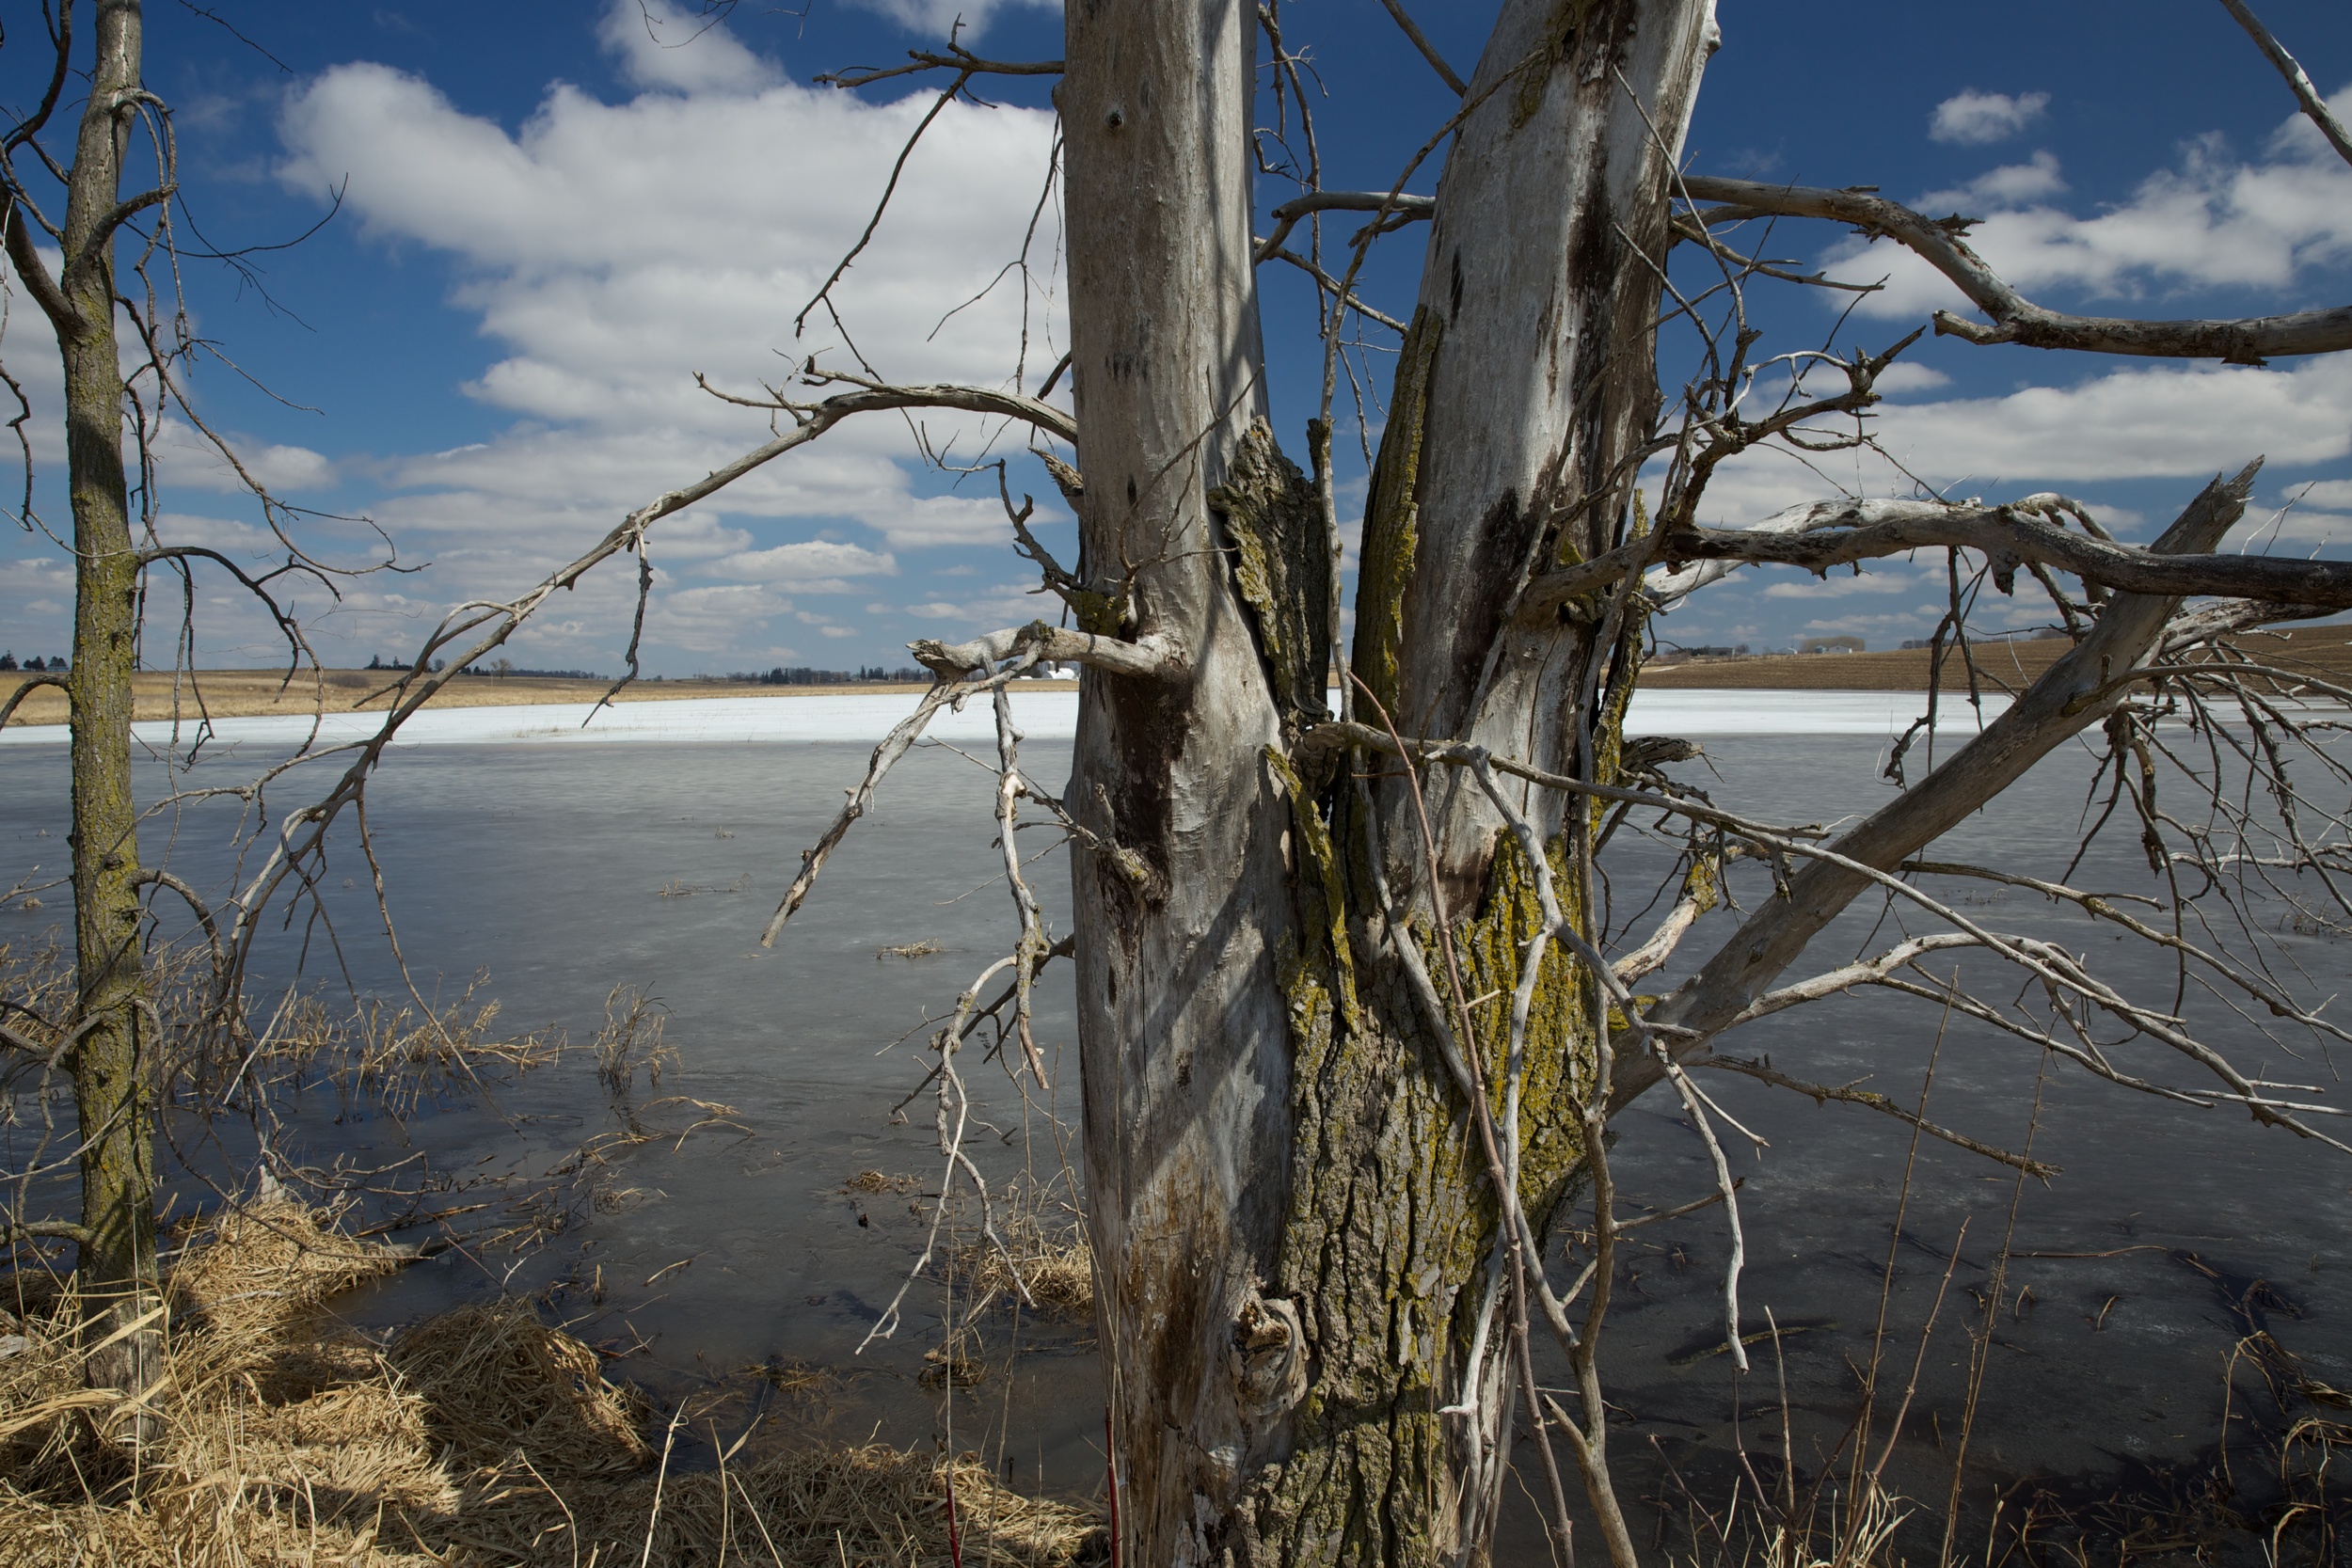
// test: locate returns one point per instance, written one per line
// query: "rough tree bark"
(117, 1273)
(1285, 1183)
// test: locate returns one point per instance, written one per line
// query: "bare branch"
(890, 188)
(887, 755)
(2017, 319)
(1331, 286)
(1863, 972)
(2040, 719)
(1152, 658)
(1394, 212)
(490, 623)
(1687, 227)
(188, 896)
(1848, 1095)
(123, 212)
(877, 395)
(287, 624)
(35, 272)
(7, 709)
(61, 36)
(1428, 50)
(1841, 533)
(1652, 955)
(958, 59)
(2298, 83)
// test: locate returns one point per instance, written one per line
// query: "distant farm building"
(1831, 645)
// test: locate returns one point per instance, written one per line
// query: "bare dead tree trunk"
(1285, 1180)
(1184, 1039)
(110, 1078)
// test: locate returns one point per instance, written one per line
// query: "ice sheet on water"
(1041, 715)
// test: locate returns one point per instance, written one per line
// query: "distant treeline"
(801, 675)
(798, 674)
(501, 668)
(8, 662)
(549, 674)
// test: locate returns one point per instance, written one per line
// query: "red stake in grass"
(1110, 1467)
(955, 1546)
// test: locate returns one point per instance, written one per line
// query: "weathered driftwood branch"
(1841, 533)
(2306, 95)
(2015, 318)
(2052, 709)
(1149, 658)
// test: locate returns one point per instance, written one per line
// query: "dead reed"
(1052, 1261)
(399, 1058)
(483, 1435)
(630, 1038)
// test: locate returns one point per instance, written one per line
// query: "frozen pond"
(567, 869)
(1042, 715)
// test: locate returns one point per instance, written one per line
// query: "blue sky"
(552, 220)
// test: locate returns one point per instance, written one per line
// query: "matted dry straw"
(480, 1437)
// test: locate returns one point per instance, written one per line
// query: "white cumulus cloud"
(2213, 220)
(614, 250)
(2331, 492)
(2157, 421)
(2009, 186)
(937, 16)
(1973, 118)
(660, 47)
(812, 561)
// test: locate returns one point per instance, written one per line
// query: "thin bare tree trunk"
(110, 1078)
(1285, 1187)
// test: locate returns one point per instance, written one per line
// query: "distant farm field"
(2322, 652)
(248, 693)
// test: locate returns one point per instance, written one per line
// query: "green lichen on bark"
(1392, 513)
(1536, 77)
(1390, 1219)
(1559, 1037)
(1283, 565)
(1097, 612)
(1330, 960)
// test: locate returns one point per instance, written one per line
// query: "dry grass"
(480, 1436)
(400, 1057)
(1053, 1260)
(876, 1181)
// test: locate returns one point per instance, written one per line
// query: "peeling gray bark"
(1183, 1040)
(1542, 381)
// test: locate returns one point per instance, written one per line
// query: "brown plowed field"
(2323, 651)
(244, 693)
